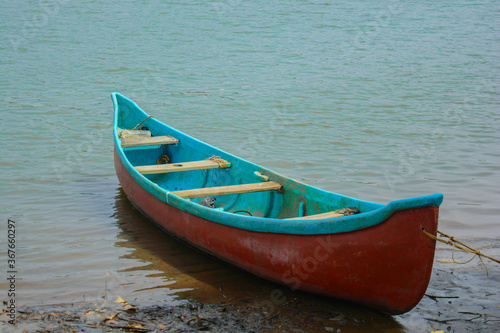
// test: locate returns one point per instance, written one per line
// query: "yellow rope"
(222, 163)
(142, 122)
(163, 158)
(459, 245)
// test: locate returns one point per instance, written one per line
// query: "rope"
(142, 122)
(459, 245)
(222, 163)
(242, 211)
(163, 158)
(176, 140)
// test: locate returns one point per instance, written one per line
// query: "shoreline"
(119, 316)
(458, 298)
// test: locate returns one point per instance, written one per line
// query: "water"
(376, 100)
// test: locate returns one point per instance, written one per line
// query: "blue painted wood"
(269, 209)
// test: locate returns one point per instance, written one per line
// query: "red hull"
(387, 266)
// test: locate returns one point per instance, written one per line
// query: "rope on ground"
(459, 245)
(142, 122)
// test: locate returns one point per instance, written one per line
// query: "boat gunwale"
(264, 224)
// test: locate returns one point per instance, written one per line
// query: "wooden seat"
(327, 215)
(317, 216)
(148, 141)
(177, 167)
(232, 189)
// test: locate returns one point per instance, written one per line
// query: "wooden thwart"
(148, 141)
(176, 167)
(232, 189)
(317, 216)
(335, 213)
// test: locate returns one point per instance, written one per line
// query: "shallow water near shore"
(378, 101)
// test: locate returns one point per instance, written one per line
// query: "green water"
(377, 100)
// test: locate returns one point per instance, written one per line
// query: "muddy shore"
(443, 308)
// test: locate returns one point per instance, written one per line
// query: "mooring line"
(459, 245)
(139, 124)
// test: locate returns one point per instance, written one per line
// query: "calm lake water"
(377, 100)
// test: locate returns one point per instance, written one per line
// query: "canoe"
(273, 226)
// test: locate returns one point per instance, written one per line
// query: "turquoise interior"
(296, 200)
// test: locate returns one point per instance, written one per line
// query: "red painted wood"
(387, 266)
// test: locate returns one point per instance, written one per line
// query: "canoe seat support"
(232, 189)
(184, 166)
(148, 141)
